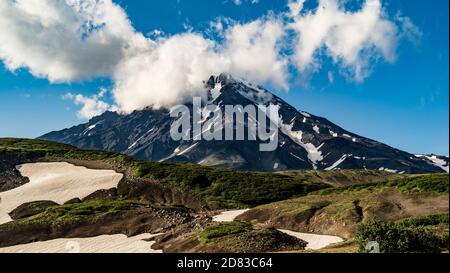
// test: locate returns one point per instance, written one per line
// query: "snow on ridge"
(338, 162)
(189, 148)
(333, 134)
(314, 155)
(90, 128)
(305, 114)
(436, 161)
(140, 138)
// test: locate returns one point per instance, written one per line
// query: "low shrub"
(399, 238)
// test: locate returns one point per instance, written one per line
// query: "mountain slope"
(305, 141)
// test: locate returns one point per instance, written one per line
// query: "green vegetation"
(77, 212)
(437, 183)
(32, 149)
(429, 220)
(342, 178)
(228, 188)
(244, 237)
(220, 188)
(406, 236)
(218, 230)
(94, 207)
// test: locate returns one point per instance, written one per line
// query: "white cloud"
(178, 64)
(354, 40)
(239, 2)
(91, 105)
(75, 40)
(254, 49)
(168, 74)
(64, 40)
(295, 7)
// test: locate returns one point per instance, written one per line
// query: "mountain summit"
(305, 141)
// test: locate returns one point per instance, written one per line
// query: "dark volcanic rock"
(10, 177)
(73, 201)
(305, 141)
(130, 223)
(31, 209)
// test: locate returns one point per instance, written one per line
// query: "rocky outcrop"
(10, 177)
(130, 223)
(30, 209)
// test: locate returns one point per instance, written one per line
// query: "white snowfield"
(315, 241)
(434, 160)
(99, 244)
(229, 216)
(57, 182)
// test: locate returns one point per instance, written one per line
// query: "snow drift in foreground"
(58, 182)
(99, 244)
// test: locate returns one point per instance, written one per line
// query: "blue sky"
(403, 104)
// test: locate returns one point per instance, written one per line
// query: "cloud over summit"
(76, 40)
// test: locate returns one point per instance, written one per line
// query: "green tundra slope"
(219, 188)
(349, 211)
(178, 200)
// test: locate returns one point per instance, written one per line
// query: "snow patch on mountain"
(316, 129)
(140, 138)
(388, 170)
(436, 161)
(314, 155)
(305, 114)
(337, 163)
(333, 134)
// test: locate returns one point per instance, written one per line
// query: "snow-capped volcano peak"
(305, 141)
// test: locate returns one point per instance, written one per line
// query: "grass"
(224, 188)
(436, 183)
(220, 188)
(77, 212)
(218, 230)
(90, 208)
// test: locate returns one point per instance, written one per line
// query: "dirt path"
(58, 182)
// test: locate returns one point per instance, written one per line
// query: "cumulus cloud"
(354, 40)
(75, 40)
(253, 51)
(91, 105)
(67, 40)
(162, 75)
